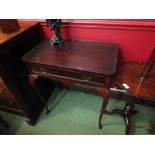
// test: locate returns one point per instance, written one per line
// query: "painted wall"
(136, 38)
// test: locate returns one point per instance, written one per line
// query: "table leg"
(125, 113)
(3, 122)
(32, 79)
(106, 94)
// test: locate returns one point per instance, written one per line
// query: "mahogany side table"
(81, 62)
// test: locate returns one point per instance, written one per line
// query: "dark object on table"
(8, 25)
(138, 79)
(55, 25)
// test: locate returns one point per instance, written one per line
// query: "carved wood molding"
(125, 24)
(141, 25)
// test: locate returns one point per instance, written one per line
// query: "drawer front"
(85, 77)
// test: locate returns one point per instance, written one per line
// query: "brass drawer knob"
(86, 78)
(43, 70)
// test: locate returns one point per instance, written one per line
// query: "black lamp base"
(56, 41)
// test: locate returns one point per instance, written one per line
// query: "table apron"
(71, 80)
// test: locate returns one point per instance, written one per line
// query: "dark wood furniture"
(16, 94)
(86, 63)
(138, 79)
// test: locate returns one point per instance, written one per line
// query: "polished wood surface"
(78, 62)
(138, 79)
(23, 26)
(130, 74)
(89, 56)
(16, 94)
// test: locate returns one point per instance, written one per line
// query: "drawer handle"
(43, 70)
(86, 78)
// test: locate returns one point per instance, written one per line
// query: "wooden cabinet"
(16, 94)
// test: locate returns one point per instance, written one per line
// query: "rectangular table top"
(81, 55)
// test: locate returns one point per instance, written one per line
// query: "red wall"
(136, 38)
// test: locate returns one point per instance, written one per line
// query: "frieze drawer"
(82, 76)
